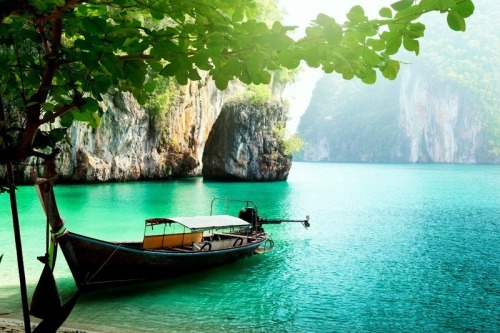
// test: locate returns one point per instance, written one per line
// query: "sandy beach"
(9, 325)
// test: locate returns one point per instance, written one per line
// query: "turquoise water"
(391, 248)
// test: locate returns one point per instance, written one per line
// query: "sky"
(301, 13)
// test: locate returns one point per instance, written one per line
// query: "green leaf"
(182, 77)
(393, 42)
(370, 77)
(376, 44)
(140, 95)
(325, 20)
(352, 39)
(57, 134)
(94, 25)
(67, 119)
(314, 32)
(102, 83)
(112, 65)
(202, 60)
(357, 14)
(371, 57)
(135, 72)
(232, 68)
(411, 45)
(313, 59)
(385, 12)
(150, 86)
(48, 106)
(193, 75)
(416, 27)
(171, 69)
(158, 15)
(88, 113)
(156, 66)
(402, 5)
(346, 71)
(89, 106)
(289, 59)
(328, 68)
(391, 69)
(238, 15)
(264, 77)
(39, 5)
(427, 5)
(221, 82)
(164, 49)
(455, 21)
(444, 5)
(464, 8)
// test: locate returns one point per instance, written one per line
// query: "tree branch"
(33, 108)
(61, 111)
(58, 11)
(21, 78)
(135, 56)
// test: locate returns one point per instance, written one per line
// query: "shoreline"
(11, 325)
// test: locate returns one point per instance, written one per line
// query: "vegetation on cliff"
(471, 61)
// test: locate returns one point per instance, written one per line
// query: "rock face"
(243, 145)
(132, 144)
(444, 127)
(121, 148)
(416, 119)
(128, 145)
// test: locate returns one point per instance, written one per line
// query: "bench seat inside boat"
(175, 240)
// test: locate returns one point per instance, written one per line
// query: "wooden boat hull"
(95, 263)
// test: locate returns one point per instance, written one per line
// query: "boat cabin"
(202, 233)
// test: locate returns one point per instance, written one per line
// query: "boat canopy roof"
(202, 222)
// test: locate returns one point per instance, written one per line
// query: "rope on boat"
(105, 262)
(60, 233)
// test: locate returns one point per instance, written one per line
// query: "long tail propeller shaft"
(305, 222)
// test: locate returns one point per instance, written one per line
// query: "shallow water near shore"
(390, 248)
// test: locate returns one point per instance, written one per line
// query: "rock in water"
(245, 144)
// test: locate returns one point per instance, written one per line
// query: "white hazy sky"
(301, 13)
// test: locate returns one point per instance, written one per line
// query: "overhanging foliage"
(60, 56)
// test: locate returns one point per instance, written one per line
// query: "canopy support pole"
(19, 248)
(15, 221)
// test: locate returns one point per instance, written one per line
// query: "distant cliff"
(416, 119)
(439, 122)
(442, 108)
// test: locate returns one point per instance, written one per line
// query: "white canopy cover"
(205, 222)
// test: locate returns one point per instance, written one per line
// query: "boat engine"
(250, 215)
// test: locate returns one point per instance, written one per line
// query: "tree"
(60, 56)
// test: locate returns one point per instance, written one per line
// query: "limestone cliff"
(438, 122)
(244, 145)
(416, 119)
(130, 145)
(442, 108)
(133, 143)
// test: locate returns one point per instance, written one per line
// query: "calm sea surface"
(391, 248)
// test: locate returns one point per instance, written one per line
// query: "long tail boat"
(170, 247)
